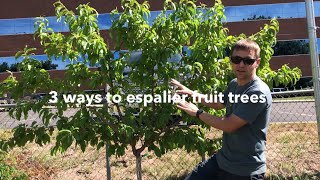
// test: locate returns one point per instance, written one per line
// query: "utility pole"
(312, 31)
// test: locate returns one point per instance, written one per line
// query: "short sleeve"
(225, 96)
(226, 92)
(250, 111)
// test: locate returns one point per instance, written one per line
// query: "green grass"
(293, 149)
(8, 171)
(301, 177)
(293, 152)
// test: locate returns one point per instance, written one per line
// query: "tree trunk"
(138, 167)
(108, 166)
(203, 156)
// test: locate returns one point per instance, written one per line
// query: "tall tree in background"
(291, 47)
(255, 17)
(4, 67)
(47, 65)
(14, 67)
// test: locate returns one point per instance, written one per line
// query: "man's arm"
(226, 124)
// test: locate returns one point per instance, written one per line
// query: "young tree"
(157, 128)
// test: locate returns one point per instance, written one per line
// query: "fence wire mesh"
(293, 150)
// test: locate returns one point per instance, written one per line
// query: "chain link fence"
(292, 149)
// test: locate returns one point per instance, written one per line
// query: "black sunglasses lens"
(248, 61)
(238, 59)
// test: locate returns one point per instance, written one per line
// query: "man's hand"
(188, 107)
(182, 89)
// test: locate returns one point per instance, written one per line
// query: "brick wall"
(303, 62)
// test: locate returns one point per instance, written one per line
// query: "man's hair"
(247, 45)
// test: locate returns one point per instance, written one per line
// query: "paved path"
(293, 111)
(281, 112)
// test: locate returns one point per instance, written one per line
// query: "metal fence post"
(106, 108)
(312, 28)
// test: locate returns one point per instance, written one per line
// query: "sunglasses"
(238, 59)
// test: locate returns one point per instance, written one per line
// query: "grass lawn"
(292, 153)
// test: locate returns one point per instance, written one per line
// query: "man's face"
(244, 71)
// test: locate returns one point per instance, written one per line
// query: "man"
(244, 127)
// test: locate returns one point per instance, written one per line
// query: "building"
(247, 16)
